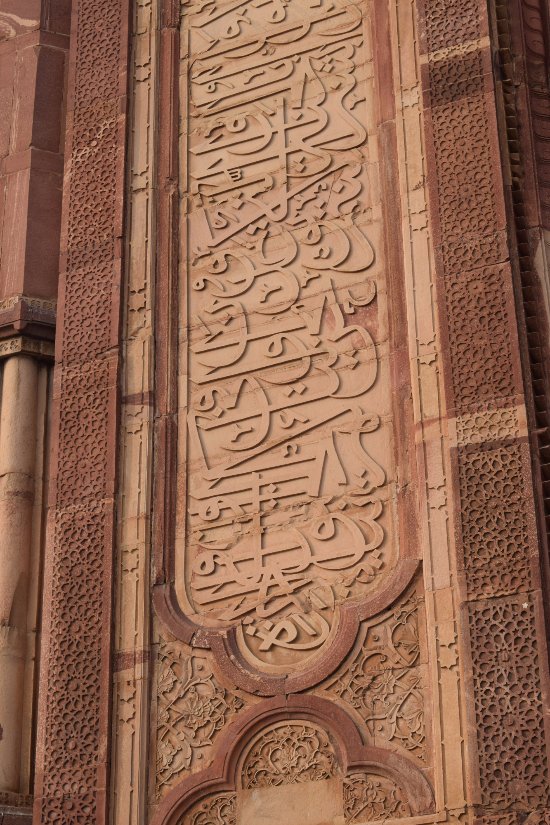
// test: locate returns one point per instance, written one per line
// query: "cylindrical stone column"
(18, 435)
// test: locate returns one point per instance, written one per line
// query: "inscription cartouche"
(287, 506)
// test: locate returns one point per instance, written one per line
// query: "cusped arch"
(354, 758)
(239, 672)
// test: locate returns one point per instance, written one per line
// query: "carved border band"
(497, 540)
(353, 756)
(131, 631)
(73, 756)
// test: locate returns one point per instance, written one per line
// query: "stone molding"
(352, 755)
(33, 317)
(238, 672)
(27, 327)
(498, 546)
(21, 345)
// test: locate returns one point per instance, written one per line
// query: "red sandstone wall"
(486, 622)
(34, 42)
(33, 55)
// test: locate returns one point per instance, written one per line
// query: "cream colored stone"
(131, 749)
(308, 803)
(18, 441)
(287, 430)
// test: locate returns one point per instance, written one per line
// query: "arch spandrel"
(300, 756)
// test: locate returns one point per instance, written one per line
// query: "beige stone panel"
(131, 707)
(306, 803)
(18, 439)
(285, 427)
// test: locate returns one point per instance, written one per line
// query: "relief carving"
(192, 708)
(290, 504)
(372, 798)
(496, 524)
(496, 536)
(487, 425)
(513, 764)
(289, 754)
(277, 756)
(383, 681)
(215, 810)
(76, 678)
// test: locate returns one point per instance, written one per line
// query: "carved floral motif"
(289, 754)
(383, 681)
(297, 757)
(372, 798)
(214, 810)
(192, 708)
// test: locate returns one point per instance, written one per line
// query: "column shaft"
(18, 439)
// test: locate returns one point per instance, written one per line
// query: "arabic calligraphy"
(287, 504)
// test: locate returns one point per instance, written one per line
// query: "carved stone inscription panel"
(287, 502)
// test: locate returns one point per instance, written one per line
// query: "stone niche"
(296, 760)
(290, 774)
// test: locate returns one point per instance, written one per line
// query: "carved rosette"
(288, 754)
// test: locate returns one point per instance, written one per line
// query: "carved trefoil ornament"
(289, 754)
(296, 770)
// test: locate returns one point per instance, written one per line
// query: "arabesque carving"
(288, 754)
(192, 708)
(296, 748)
(383, 681)
(372, 798)
(214, 810)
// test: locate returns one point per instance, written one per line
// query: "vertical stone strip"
(497, 543)
(434, 492)
(535, 33)
(19, 426)
(75, 680)
(129, 752)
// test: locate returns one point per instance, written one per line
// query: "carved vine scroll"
(297, 749)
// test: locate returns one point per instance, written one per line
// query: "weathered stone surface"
(299, 443)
